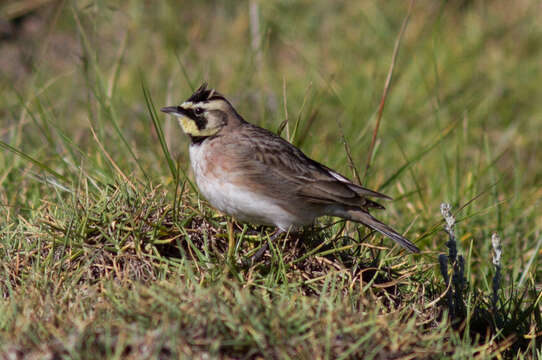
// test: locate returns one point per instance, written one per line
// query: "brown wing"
(273, 164)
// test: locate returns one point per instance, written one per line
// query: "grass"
(106, 248)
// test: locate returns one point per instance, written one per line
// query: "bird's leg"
(276, 235)
(254, 258)
(257, 256)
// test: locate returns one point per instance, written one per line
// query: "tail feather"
(368, 220)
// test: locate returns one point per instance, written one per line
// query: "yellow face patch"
(190, 128)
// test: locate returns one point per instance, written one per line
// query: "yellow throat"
(189, 127)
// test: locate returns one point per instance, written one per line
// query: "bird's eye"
(198, 111)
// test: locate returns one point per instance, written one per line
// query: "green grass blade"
(158, 127)
(417, 157)
(33, 161)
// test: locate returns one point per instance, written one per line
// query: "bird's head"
(204, 114)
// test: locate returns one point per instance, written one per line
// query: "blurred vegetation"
(104, 250)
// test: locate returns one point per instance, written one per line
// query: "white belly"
(235, 200)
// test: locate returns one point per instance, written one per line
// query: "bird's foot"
(258, 255)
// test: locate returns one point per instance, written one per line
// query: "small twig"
(113, 163)
(284, 123)
(349, 157)
(285, 108)
(298, 120)
(387, 87)
(530, 262)
(255, 34)
(497, 253)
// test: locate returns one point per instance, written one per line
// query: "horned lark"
(258, 177)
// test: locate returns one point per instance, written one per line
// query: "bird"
(256, 176)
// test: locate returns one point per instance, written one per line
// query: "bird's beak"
(173, 110)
